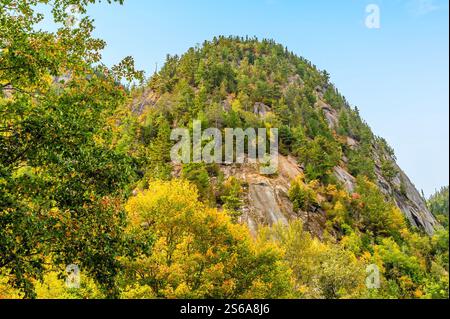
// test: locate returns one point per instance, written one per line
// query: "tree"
(61, 181)
(158, 152)
(231, 197)
(439, 205)
(388, 170)
(319, 156)
(199, 252)
(321, 270)
(198, 175)
(302, 196)
(401, 270)
(375, 213)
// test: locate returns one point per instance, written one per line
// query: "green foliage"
(360, 157)
(220, 82)
(438, 204)
(319, 157)
(73, 152)
(198, 175)
(320, 270)
(386, 149)
(352, 125)
(62, 182)
(302, 196)
(360, 162)
(333, 98)
(286, 140)
(388, 170)
(158, 151)
(199, 252)
(231, 197)
(375, 213)
(401, 270)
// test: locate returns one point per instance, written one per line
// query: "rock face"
(146, 99)
(330, 114)
(406, 197)
(266, 200)
(345, 178)
(7, 92)
(261, 109)
(411, 203)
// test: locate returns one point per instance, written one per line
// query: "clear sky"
(397, 75)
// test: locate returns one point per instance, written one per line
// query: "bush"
(375, 213)
(231, 197)
(320, 156)
(302, 196)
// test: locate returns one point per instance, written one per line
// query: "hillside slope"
(233, 82)
(92, 204)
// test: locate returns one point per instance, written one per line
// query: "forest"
(86, 176)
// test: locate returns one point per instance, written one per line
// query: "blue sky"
(397, 75)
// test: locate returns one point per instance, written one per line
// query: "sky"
(396, 74)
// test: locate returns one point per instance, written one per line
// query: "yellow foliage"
(6, 291)
(320, 270)
(198, 252)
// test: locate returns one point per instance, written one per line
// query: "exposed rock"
(261, 109)
(352, 142)
(407, 198)
(62, 79)
(226, 105)
(320, 90)
(7, 91)
(330, 114)
(295, 80)
(267, 200)
(148, 98)
(314, 222)
(264, 203)
(412, 204)
(347, 180)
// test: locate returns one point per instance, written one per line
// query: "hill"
(236, 82)
(92, 204)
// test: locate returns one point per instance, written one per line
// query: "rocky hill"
(93, 203)
(234, 82)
